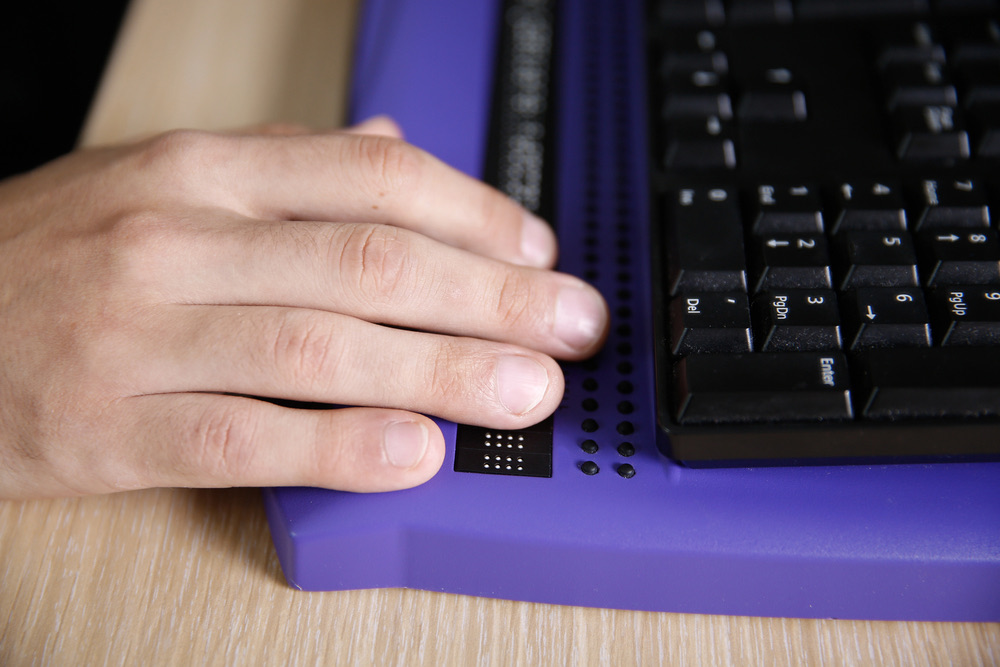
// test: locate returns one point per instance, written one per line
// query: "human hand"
(150, 293)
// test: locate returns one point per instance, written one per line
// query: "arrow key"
(876, 317)
(959, 257)
(788, 261)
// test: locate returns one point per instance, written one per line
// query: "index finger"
(352, 177)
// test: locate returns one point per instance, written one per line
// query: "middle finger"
(392, 276)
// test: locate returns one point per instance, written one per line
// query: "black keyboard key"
(886, 317)
(791, 209)
(704, 246)
(894, 55)
(938, 382)
(774, 96)
(981, 82)
(688, 62)
(788, 261)
(760, 11)
(839, 9)
(772, 106)
(700, 144)
(930, 133)
(762, 387)
(691, 12)
(984, 125)
(797, 320)
(697, 104)
(876, 259)
(966, 315)
(709, 322)
(919, 84)
(870, 205)
(959, 202)
(960, 257)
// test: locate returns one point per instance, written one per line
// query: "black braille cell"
(626, 428)
(626, 449)
(626, 470)
(626, 407)
(589, 425)
(590, 384)
(590, 468)
(625, 367)
(625, 387)
(590, 404)
(589, 446)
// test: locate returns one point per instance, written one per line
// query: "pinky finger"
(211, 440)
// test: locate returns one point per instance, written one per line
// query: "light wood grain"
(189, 577)
(221, 64)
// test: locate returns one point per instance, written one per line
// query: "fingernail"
(538, 242)
(580, 317)
(404, 443)
(521, 383)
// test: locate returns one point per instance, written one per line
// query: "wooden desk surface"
(184, 577)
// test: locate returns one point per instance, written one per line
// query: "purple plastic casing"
(918, 542)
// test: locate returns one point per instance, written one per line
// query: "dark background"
(51, 58)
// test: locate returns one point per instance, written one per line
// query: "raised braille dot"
(626, 470)
(626, 428)
(590, 384)
(589, 446)
(626, 449)
(589, 425)
(625, 387)
(590, 468)
(590, 404)
(625, 367)
(626, 407)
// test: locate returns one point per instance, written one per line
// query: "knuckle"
(180, 147)
(140, 248)
(512, 307)
(220, 442)
(378, 261)
(186, 160)
(328, 463)
(394, 166)
(456, 374)
(305, 349)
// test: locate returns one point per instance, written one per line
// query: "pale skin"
(150, 293)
